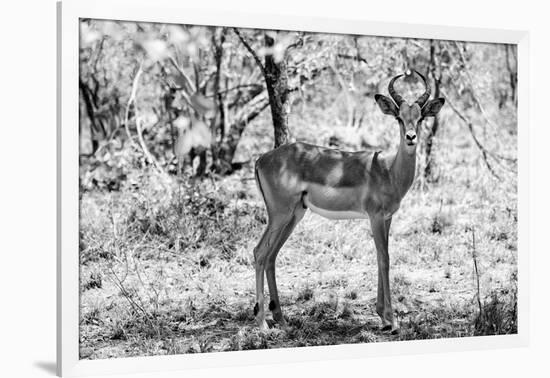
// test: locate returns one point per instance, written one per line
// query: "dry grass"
(168, 268)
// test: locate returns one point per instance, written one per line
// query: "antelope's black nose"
(410, 136)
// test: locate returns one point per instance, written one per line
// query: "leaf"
(113, 30)
(271, 33)
(178, 80)
(155, 48)
(192, 133)
(177, 35)
(88, 35)
(279, 52)
(192, 50)
(202, 104)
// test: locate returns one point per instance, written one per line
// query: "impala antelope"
(339, 185)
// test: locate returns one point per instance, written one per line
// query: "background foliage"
(172, 119)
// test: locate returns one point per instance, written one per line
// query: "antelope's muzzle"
(410, 137)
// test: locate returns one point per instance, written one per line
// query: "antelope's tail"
(257, 177)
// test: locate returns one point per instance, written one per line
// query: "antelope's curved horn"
(396, 96)
(426, 95)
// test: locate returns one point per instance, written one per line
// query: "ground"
(167, 266)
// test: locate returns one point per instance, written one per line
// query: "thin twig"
(146, 152)
(474, 256)
(298, 42)
(131, 101)
(151, 286)
(493, 154)
(471, 83)
(170, 84)
(250, 50)
(347, 98)
(256, 86)
(190, 86)
(138, 121)
(117, 249)
(356, 58)
(128, 296)
(484, 151)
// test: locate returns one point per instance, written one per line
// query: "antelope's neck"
(402, 170)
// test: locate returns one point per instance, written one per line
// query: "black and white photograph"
(244, 189)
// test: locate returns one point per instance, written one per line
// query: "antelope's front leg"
(380, 230)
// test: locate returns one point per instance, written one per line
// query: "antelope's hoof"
(392, 329)
(262, 325)
(282, 323)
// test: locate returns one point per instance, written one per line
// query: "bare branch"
(299, 42)
(257, 102)
(98, 53)
(256, 112)
(512, 73)
(476, 271)
(484, 151)
(250, 50)
(190, 86)
(245, 97)
(471, 83)
(347, 97)
(254, 86)
(357, 58)
(209, 75)
(132, 100)
(183, 91)
(418, 44)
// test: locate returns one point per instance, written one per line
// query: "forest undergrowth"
(167, 265)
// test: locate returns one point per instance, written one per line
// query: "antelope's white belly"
(332, 214)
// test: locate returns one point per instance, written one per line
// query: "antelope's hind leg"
(260, 254)
(288, 225)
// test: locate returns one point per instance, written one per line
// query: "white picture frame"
(172, 11)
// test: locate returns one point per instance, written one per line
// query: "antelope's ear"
(386, 105)
(433, 107)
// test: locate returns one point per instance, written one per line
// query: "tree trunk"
(217, 124)
(276, 79)
(512, 72)
(97, 128)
